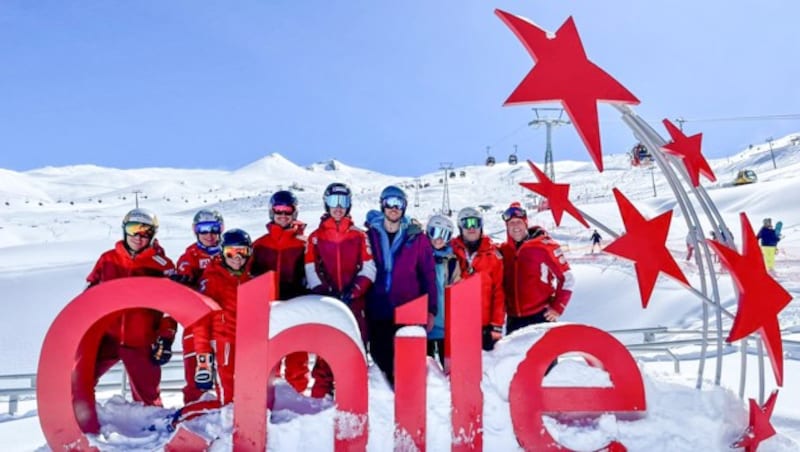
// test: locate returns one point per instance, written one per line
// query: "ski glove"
(186, 280)
(353, 292)
(204, 373)
(161, 351)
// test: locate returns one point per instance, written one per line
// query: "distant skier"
(768, 239)
(596, 241)
(691, 242)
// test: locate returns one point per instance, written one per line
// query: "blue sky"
(393, 86)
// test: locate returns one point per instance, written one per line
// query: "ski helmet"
(393, 191)
(439, 226)
(337, 194)
(208, 220)
(141, 216)
(469, 217)
(283, 198)
(236, 237)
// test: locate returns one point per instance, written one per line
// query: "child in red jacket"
(220, 282)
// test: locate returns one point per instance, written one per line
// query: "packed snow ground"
(54, 223)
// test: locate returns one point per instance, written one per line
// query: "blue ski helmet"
(394, 192)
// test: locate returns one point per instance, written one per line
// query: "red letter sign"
(529, 400)
(77, 331)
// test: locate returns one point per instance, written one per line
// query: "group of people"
(395, 260)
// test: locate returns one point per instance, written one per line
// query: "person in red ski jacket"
(537, 279)
(476, 253)
(140, 338)
(207, 226)
(282, 250)
(338, 263)
(220, 282)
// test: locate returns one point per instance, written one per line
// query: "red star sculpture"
(761, 298)
(760, 428)
(557, 196)
(645, 243)
(688, 149)
(564, 73)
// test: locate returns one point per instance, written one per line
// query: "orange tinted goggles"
(139, 229)
(233, 251)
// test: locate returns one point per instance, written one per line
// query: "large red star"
(645, 243)
(564, 73)
(760, 428)
(688, 149)
(557, 196)
(761, 298)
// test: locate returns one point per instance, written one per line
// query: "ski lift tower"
(446, 167)
(549, 119)
(417, 186)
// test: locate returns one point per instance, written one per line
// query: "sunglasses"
(211, 227)
(471, 223)
(394, 202)
(435, 232)
(515, 212)
(139, 229)
(342, 201)
(282, 210)
(233, 251)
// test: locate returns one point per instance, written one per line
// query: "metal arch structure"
(546, 83)
(673, 170)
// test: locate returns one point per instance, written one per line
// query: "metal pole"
(653, 178)
(774, 165)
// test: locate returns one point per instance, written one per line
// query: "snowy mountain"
(54, 222)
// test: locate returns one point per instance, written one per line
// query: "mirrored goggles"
(342, 201)
(233, 251)
(435, 232)
(515, 212)
(394, 202)
(210, 227)
(471, 223)
(283, 210)
(140, 229)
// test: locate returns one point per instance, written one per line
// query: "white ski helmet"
(140, 215)
(442, 222)
(469, 212)
(207, 216)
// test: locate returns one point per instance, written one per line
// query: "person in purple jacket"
(406, 270)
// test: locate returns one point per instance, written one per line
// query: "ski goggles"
(283, 210)
(210, 227)
(471, 223)
(393, 202)
(515, 212)
(139, 229)
(342, 201)
(233, 251)
(436, 232)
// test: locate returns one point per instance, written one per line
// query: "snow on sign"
(263, 340)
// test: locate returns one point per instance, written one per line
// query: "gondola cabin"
(640, 156)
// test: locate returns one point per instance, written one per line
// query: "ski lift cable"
(788, 116)
(509, 135)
